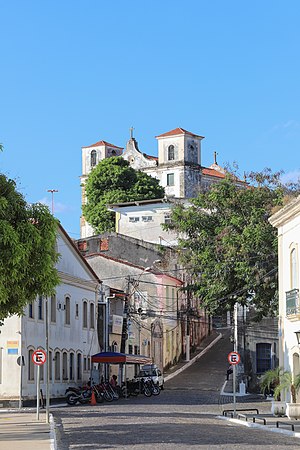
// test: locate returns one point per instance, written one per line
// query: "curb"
(53, 441)
(261, 427)
(188, 364)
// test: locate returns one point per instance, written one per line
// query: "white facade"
(287, 221)
(143, 220)
(91, 156)
(72, 331)
(177, 167)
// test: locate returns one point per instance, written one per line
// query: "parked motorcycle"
(75, 395)
(155, 389)
(135, 387)
(82, 395)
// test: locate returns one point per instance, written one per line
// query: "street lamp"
(52, 192)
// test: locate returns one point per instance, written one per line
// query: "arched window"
(71, 366)
(40, 308)
(92, 315)
(67, 311)
(57, 366)
(84, 318)
(79, 368)
(293, 265)
(31, 310)
(30, 366)
(53, 309)
(114, 347)
(65, 366)
(171, 153)
(93, 158)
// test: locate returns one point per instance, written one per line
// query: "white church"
(178, 165)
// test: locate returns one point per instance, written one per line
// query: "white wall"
(79, 285)
(287, 221)
(149, 231)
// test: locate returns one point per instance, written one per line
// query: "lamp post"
(52, 193)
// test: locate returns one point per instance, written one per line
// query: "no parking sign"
(234, 358)
(39, 357)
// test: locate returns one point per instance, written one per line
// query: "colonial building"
(151, 276)
(153, 297)
(287, 221)
(178, 165)
(71, 329)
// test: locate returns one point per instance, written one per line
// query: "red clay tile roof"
(103, 143)
(212, 172)
(150, 157)
(178, 131)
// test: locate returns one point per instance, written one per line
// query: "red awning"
(120, 358)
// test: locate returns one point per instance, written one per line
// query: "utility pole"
(235, 321)
(235, 348)
(48, 359)
(188, 326)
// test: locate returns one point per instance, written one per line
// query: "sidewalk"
(22, 431)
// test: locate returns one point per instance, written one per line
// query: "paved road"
(183, 416)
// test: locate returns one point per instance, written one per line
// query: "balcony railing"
(292, 304)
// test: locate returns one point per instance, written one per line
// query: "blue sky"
(75, 72)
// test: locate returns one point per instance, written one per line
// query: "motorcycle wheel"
(71, 399)
(108, 396)
(125, 392)
(147, 392)
(155, 390)
(85, 400)
(99, 398)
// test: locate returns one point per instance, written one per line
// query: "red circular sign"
(39, 357)
(234, 358)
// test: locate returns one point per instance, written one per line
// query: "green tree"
(27, 250)
(114, 181)
(228, 244)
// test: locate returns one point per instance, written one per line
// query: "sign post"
(38, 358)
(21, 363)
(234, 358)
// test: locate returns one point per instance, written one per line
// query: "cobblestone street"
(184, 415)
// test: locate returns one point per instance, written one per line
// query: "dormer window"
(93, 158)
(171, 153)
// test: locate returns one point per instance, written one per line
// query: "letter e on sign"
(234, 358)
(39, 357)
